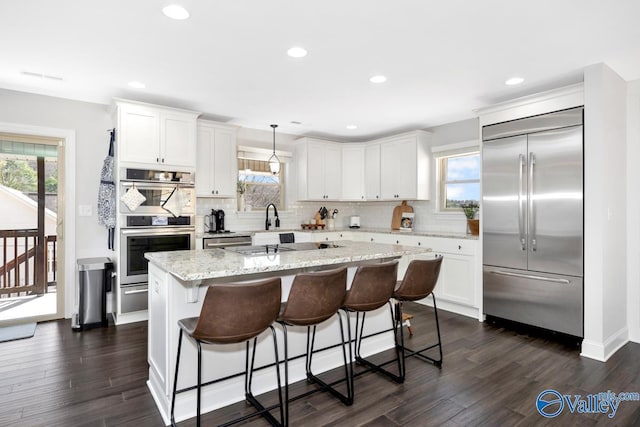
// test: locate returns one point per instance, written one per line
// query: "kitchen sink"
(275, 249)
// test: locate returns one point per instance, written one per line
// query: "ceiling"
(443, 59)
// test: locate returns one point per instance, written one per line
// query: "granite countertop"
(217, 263)
(444, 234)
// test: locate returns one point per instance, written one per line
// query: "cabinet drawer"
(454, 246)
(133, 298)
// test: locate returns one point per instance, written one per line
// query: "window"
(459, 180)
(260, 186)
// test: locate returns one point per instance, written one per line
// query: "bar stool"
(419, 282)
(258, 304)
(371, 288)
(314, 298)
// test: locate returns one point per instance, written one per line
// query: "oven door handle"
(136, 291)
(155, 231)
(156, 185)
(226, 245)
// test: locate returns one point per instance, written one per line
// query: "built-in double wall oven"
(151, 228)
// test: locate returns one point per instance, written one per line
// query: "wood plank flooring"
(491, 376)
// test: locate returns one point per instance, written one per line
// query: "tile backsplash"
(372, 215)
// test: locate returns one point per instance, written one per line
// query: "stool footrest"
(347, 400)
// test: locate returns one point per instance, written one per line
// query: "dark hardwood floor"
(490, 376)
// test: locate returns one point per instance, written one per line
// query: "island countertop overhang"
(198, 265)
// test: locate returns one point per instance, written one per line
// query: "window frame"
(442, 159)
(281, 202)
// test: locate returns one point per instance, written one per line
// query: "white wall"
(90, 123)
(605, 286)
(633, 209)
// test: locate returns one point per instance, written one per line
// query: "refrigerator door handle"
(532, 211)
(531, 276)
(523, 241)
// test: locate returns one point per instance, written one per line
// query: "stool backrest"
(419, 280)
(315, 297)
(236, 312)
(372, 286)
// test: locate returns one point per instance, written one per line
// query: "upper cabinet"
(353, 169)
(372, 171)
(404, 167)
(393, 168)
(154, 136)
(319, 166)
(216, 160)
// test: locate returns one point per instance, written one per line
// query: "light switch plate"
(84, 210)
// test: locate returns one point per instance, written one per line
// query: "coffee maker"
(214, 223)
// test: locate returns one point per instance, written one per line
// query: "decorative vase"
(240, 202)
(474, 226)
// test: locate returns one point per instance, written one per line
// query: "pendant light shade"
(274, 161)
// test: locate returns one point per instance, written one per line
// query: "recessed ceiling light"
(514, 81)
(378, 79)
(137, 85)
(297, 52)
(175, 11)
(352, 127)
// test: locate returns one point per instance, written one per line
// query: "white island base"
(171, 299)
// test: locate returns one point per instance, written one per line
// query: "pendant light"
(274, 161)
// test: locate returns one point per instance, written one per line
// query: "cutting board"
(397, 214)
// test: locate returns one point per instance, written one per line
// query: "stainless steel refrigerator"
(532, 219)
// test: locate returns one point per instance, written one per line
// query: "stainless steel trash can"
(94, 282)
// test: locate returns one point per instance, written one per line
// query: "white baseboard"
(602, 351)
(453, 307)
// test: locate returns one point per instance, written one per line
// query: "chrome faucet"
(267, 222)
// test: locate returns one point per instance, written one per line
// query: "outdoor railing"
(18, 263)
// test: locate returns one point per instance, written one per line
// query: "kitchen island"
(177, 285)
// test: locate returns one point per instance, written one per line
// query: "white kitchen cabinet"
(353, 172)
(457, 286)
(330, 236)
(404, 167)
(156, 137)
(319, 166)
(216, 164)
(372, 171)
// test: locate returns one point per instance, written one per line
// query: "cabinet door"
(457, 279)
(332, 171)
(204, 162)
(224, 163)
(352, 172)
(315, 171)
(177, 140)
(372, 172)
(139, 134)
(406, 173)
(388, 170)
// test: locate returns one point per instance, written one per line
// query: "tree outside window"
(261, 186)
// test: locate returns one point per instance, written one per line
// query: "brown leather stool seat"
(418, 282)
(314, 298)
(372, 287)
(258, 304)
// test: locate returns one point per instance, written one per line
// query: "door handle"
(532, 210)
(531, 276)
(523, 241)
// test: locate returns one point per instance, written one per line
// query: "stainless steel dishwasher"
(225, 241)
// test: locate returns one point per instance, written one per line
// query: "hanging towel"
(107, 194)
(174, 203)
(133, 198)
